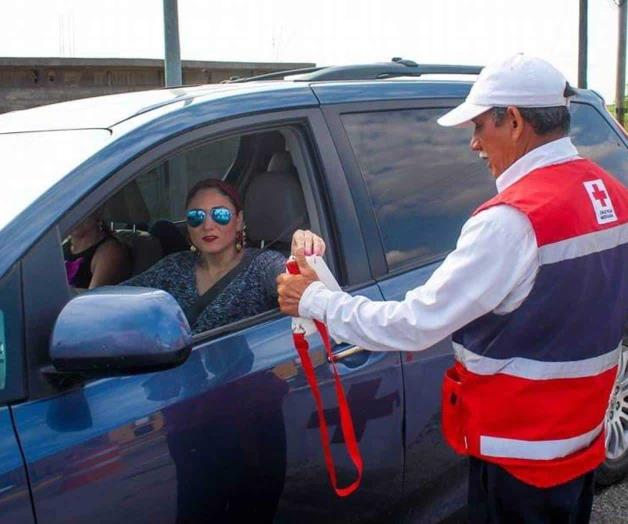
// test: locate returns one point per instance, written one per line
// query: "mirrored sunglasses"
(220, 215)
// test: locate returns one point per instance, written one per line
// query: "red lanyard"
(346, 422)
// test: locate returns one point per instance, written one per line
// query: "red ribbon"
(346, 421)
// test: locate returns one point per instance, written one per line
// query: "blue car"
(113, 411)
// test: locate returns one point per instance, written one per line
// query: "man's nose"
(474, 144)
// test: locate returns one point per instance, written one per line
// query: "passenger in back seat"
(94, 257)
(220, 281)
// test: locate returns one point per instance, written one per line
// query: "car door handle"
(344, 353)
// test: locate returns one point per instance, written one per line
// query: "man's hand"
(290, 288)
(310, 243)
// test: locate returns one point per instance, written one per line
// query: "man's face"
(495, 143)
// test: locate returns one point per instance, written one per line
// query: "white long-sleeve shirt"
(493, 268)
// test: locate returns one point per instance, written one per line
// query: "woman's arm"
(110, 264)
(275, 266)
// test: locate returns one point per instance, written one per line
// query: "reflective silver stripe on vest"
(536, 449)
(583, 245)
(536, 369)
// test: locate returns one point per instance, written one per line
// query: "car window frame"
(178, 144)
(317, 161)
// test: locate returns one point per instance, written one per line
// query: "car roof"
(104, 112)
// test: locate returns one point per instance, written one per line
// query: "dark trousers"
(496, 497)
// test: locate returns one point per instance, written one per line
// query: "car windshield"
(34, 162)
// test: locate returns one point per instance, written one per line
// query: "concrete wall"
(30, 82)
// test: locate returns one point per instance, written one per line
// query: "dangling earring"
(192, 248)
(241, 239)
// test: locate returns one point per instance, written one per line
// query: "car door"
(231, 434)
(15, 504)
(416, 184)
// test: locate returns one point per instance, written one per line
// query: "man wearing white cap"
(535, 295)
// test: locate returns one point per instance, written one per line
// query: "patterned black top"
(252, 292)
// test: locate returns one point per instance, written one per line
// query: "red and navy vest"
(530, 388)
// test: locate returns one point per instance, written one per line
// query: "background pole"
(173, 76)
(620, 86)
(583, 44)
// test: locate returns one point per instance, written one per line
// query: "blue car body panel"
(232, 433)
(436, 481)
(15, 501)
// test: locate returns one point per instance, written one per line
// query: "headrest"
(126, 206)
(281, 162)
(145, 248)
(274, 207)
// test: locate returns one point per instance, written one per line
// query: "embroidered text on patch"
(601, 200)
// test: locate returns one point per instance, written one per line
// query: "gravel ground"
(611, 504)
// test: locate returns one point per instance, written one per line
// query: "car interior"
(147, 214)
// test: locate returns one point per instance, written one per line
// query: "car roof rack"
(395, 68)
(277, 75)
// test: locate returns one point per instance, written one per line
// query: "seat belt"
(193, 311)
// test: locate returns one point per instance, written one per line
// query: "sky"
(325, 32)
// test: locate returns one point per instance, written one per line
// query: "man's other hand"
(310, 242)
(290, 288)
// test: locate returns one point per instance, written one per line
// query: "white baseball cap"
(520, 80)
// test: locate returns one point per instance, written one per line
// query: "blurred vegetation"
(611, 109)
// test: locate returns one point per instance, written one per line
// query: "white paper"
(325, 275)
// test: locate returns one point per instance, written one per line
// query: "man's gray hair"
(543, 120)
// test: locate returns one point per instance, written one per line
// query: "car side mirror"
(116, 330)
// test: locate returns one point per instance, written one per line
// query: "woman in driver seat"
(219, 280)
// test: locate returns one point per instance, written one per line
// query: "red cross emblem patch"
(601, 200)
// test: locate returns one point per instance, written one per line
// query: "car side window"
(595, 139)
(147, 217)
(423, 180)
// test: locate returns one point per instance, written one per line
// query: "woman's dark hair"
(223, 188)
(102, 223)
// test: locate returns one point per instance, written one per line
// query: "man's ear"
(515, 121)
